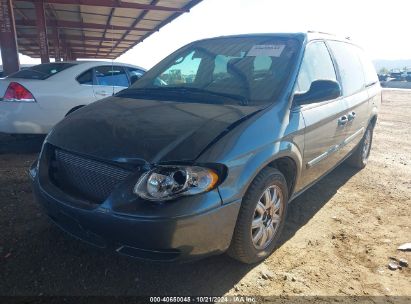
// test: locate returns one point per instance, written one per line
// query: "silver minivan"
(203, 154)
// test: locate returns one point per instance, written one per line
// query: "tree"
(383, 71)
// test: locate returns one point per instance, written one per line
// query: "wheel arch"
(73, 109)
(287, 158)
(284, 156)
(288, 167)
(373, 120)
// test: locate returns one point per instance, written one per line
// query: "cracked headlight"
(169, 182)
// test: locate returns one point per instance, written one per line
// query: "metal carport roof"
(93, 28)
(72, 29)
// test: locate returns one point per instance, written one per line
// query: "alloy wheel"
(267, 217)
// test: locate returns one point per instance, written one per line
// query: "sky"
(381, 27)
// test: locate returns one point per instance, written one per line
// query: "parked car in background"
(397, 76)
(207, 159)
(33, 100)
(383, 77)
(22, 67)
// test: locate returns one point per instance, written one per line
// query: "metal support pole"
(72, 56)
(42, 31)
(65, 53)
(56, 42)
(68, 55)
(8, 39)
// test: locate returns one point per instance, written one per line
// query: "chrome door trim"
(334, 149)
(322, 156)
(352, 137)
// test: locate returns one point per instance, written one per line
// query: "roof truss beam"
(138, 19)
(76, 25)
(165, 22)
(61, 10)
(83, 37)
(74, 45)
(115, 4)
(78, 38)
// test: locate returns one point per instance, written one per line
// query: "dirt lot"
(338, 238)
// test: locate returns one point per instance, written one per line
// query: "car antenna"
(112, 49)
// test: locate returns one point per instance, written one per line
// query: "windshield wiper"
(243, 99)
(182, 90)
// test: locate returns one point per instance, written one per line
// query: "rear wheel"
(261, 217)
(359, 158)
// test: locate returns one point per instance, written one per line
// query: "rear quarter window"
(349, 66)
(86, 78)
(42, 71)
(370, 74)
(134, 74)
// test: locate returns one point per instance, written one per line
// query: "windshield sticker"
(271, 50)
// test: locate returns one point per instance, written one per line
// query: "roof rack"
(319, 32)
(330, 34)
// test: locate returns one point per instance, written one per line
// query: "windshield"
(41, 71)
(254, 69)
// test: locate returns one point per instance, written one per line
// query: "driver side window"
(316, 65)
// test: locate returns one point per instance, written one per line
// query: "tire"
(359, 158)
(245, 245)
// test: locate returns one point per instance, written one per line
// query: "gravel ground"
(338, 238)
(396, 84)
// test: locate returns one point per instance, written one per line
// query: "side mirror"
(320, 90)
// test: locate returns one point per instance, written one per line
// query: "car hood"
(145, 130)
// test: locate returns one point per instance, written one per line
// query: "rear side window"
(111, 76)
(349, 66)
(135, 74)
(370, 74)
(41, 71)
(316, 65)
(86, 77)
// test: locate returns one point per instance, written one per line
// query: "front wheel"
(359, 158)
(261, 217)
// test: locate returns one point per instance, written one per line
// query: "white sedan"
(33, 100)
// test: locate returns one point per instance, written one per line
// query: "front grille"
(85, 178)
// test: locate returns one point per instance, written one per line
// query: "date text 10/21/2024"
(204, 299)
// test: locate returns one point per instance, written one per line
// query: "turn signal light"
(16, 92)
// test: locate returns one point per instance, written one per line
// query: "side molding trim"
(334, 149)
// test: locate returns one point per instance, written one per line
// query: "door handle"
(342, 121)
(351, 116)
